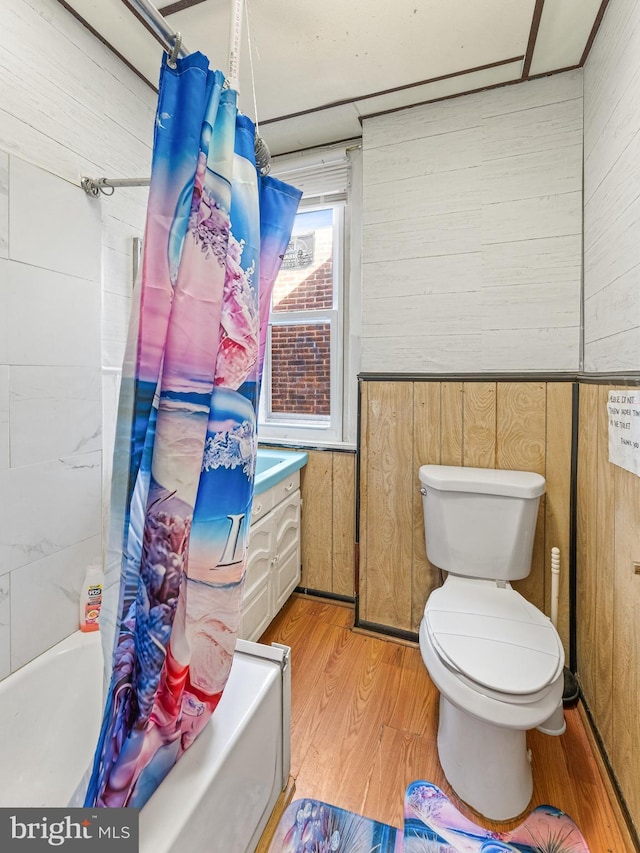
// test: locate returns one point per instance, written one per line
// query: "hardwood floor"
(364, 722)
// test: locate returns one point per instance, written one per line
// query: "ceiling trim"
(365, 116)
(594, 31)
(537, 14)
(179, 6)
(144, 23)
(552, 73)
(488, 88)
(352, 100)
(351, 143)
(533, 37)
(106, 43)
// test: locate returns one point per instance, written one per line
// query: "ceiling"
(321, 67)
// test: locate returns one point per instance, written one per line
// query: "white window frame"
(327, 176)
(312, 428)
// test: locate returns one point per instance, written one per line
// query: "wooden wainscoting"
(327, 485)
(405, 424)
(608, 594)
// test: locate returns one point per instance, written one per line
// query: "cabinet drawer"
(285, 487)
(262, 504)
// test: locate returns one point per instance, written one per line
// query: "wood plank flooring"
(364, 722)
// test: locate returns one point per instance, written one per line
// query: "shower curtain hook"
(175, 51)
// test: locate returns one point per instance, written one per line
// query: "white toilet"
(496, 659)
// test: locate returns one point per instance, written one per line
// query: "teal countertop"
(274, 465)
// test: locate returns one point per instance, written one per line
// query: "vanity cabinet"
(273, 560)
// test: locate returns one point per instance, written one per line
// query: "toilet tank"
(480, 522)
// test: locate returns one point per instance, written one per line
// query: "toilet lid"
(494, 637)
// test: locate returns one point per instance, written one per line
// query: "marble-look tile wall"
(65, 290)
(472, 232)
(50, 407)
(612, 193)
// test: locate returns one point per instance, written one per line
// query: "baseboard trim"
(385, 631)
(329, 596)
(607, 775)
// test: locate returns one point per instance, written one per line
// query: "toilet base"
(487, 766)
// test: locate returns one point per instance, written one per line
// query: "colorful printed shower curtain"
(186, 434)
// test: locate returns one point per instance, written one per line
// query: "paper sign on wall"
(624, 429)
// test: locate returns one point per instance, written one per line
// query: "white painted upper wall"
(472, 232)
(612, 193)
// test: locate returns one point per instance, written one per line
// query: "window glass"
(306, 282)
(301, 369)
(302, 384)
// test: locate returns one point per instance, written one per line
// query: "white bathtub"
(220, 794)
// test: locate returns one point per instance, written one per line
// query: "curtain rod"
(166, 35)
(172, 43)
(95, 186)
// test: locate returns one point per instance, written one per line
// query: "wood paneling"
(603, 574)
(426, 451)
(327, 485)
(521, 420)
(558, 498)
(586, 539)
(316, 487)
(515, 425)
(451, 423)
(608, 604)
(343, 523)
(521, 428)
(626, 638)
(363, 492)
(479, 428)
(364, 723)
(388, 515)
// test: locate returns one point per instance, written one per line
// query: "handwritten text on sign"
(624, 429)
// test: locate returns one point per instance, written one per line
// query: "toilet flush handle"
(423, 491)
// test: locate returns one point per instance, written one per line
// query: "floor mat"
(310, 826)
(432, 824)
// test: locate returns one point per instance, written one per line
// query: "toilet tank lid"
(487, 481)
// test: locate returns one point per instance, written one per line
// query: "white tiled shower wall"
(70, 106)
(50, 461)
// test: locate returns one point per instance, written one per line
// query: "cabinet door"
(286, 573)
(262, 544)
(257, 595)
(256, 615)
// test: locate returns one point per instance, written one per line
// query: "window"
(306, 360)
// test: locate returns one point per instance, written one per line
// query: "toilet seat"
(493, 639)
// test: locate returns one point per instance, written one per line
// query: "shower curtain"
(186, 435)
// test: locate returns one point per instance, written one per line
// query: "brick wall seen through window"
(300, 351)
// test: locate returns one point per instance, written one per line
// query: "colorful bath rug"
(432, 824)
(310, 826)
